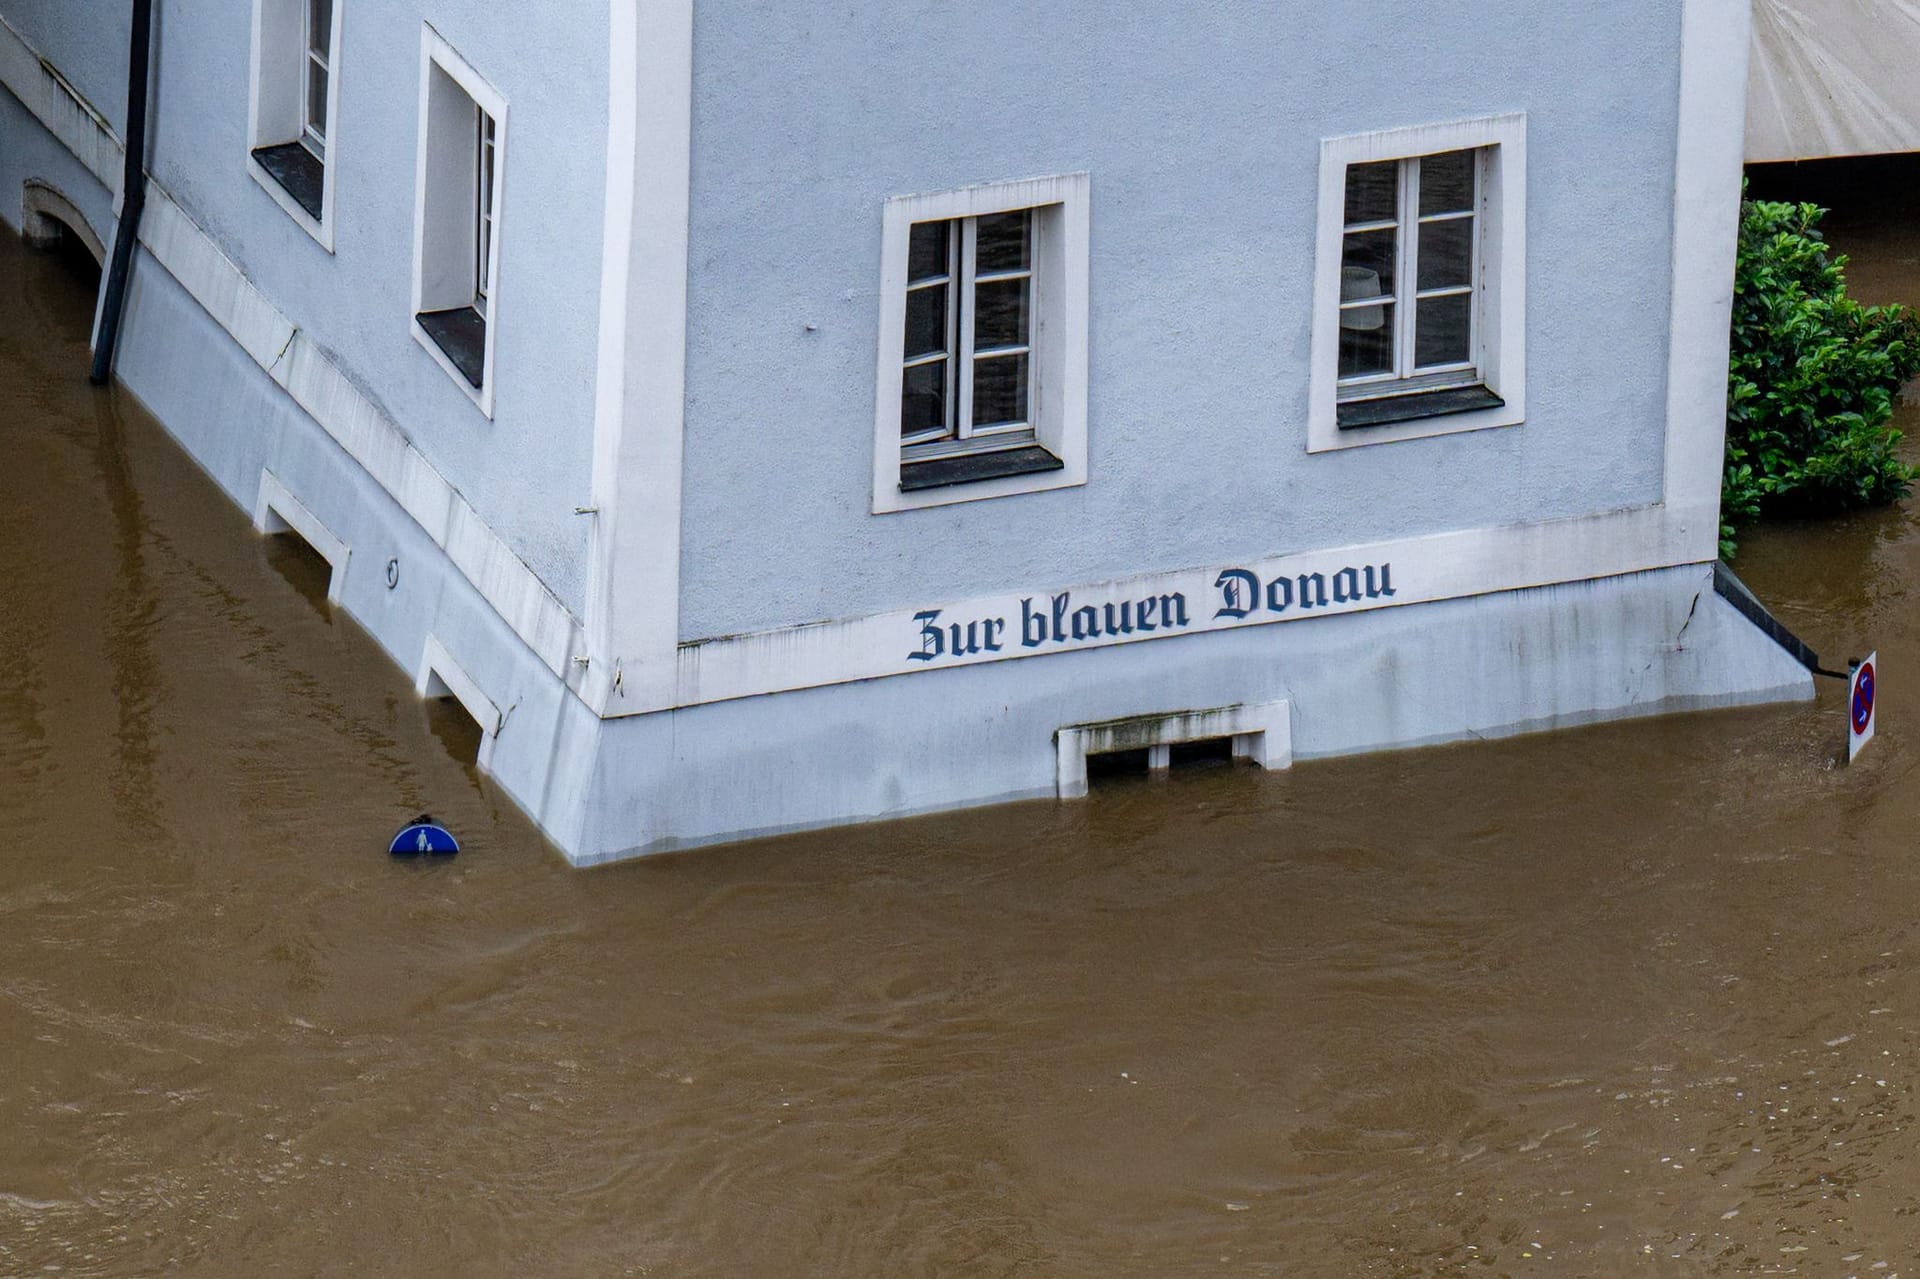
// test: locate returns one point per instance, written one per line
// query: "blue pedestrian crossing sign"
(1860, 705)
(424, 837)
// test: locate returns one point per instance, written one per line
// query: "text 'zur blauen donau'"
(1241, 597)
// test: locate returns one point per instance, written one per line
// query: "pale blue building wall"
(87, 41)
(1200, 125)
(28, 153)
(525, 470)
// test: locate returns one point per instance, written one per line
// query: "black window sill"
(299, 173)
(461, 335)
(1411, 408)
(967, 467)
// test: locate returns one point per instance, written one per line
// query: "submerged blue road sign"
(1860, 705)
(424, 837)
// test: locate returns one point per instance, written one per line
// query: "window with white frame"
(983, 367)
(457, 217)
(294, 107)
(1421, 283)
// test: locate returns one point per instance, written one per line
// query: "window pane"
(1366, 340)
(319, 25)
(1000, 314)
(1446, 183)
(1444, 329)
(927, 250)
(923, 399)
(1373, 192)
(316, 99)
(1000, 390)
(1003, 243)
(1366, 270)
(1446, 253)
(926, 321)
(483, 170)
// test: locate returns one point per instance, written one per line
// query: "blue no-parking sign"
(1860, 705)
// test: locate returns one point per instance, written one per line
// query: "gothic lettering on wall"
(1239, 596)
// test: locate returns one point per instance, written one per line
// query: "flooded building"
(762, 422)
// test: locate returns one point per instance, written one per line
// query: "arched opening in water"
(53, 224)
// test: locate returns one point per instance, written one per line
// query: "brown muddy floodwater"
(1639, 1000)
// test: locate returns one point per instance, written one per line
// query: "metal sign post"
(1860, 705)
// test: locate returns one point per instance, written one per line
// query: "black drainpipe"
(133, 188)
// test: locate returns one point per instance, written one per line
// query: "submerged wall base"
(1494, 665)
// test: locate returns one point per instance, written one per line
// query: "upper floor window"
(1421, 283)
(294, 107)
(457, 218)
(982, 388)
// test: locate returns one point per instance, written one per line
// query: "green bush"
(1813, 378)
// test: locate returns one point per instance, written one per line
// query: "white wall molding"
(1715, 45)
(59, 106)
(633, 591)
(293, 360)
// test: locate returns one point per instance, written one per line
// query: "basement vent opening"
(299, 547)
(300, 562)
(1114, 765)
(453, 725)
(1259, 733)
(1211, 752)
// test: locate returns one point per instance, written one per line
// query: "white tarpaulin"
(1833, 77)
